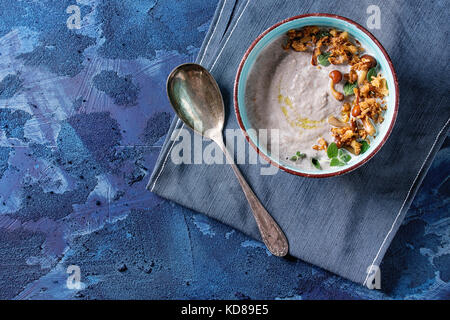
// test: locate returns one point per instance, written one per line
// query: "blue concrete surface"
(83, 114)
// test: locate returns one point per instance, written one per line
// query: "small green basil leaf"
(316, 163)
(336, 163)
(322, 33)
(293, 158)
(323, 59)
(364, 147)
(348, 88)
(332, 150)
(300, 155)
(371, 73)
(346, 158)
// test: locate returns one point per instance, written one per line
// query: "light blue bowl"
(372, 46)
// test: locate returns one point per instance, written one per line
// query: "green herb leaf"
(371, 73)
(300, 155)
(335, 162)
(322, 33)
(365, 146)
(348, 88)
(346, 158)
(332, 150)
(316, 163)
(293, 158)
(323, 59)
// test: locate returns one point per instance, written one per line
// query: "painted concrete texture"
(83, 114)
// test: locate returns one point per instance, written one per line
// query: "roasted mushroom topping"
(321, 145)
(298, 45)
(336, 122)
(370, 61)
(336, 77)
(368, 126)
(367, 62)
(355, 147)
(352, 76)
(317, 51)
(356, 92)
(356, 111)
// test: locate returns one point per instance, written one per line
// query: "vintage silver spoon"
(196, 98)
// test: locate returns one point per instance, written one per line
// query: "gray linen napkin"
(342, 224)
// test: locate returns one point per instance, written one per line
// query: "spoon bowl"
(196, 98)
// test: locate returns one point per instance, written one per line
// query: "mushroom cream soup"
(302, 94)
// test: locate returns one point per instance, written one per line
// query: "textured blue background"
(83, 114)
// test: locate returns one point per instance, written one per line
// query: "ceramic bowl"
(372, 46)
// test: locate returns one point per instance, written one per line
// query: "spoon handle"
(271, 234)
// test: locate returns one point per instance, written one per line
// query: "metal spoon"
(196, 98)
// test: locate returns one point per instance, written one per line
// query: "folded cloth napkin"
(342, 224)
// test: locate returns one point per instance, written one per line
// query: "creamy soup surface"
(285, 92)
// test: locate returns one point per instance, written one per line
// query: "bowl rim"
(318, 175)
